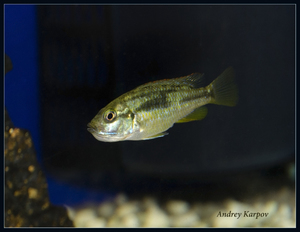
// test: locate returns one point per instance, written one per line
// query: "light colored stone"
(106, 209)
(244, 221)
(127, 208)
(283, 195)
(148, 202)
(71, 212)
(130, 220)
(32, 193)
(282, 217)
(84, 215)
(120, 199)
(236, 206)
(188, 219)
(294, 214)
(271, 207)
(155, 217)
(258, 205)
(201, 224)
(176, 207)
(96, 223)
(285, 211)
(146, 213)
(226, 222)
(114, 221)
(287, 223)
(231, 206)
(206, 210)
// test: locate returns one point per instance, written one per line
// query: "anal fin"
(197, 114)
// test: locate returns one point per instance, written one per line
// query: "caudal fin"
(224, 89)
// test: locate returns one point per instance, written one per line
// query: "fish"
(149, 110)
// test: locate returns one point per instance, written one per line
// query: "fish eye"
(110, 116)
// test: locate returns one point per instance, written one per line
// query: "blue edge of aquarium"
(22, 93)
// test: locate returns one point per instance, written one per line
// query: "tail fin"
(224, 89)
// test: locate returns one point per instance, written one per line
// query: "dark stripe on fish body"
(157, 101)
(136, 96)
(146, 91)
(157, 94)
(203, 93)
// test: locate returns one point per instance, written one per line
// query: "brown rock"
(26, 196)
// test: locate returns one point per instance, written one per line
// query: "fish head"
(112, 123)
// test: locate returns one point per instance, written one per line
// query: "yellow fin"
(197, 114)
(224, 89)
(156, 136)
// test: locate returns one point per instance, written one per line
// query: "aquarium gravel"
(276, 209)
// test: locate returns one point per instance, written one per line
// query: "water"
(85, 56)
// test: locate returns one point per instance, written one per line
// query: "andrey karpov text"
(246, 213)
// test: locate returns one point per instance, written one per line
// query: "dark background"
(88, 55)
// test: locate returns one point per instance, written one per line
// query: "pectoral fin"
(197, 114)
(156, 136)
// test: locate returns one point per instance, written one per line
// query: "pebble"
(227, 222)
(176, 207)
(271, 207)
(121, 199)
(127, 208)
(106, 209)
(236, 206)
(282, 216)
(201, 224)
(32, 193)
(131, 220)
(294, 214)
(114, 221)
(176, 213)
(206, 210)
(155, 217)
(148, 202)
(232, 206)
(96, 223)
(188, 219)
(84, 215)
(71, 212)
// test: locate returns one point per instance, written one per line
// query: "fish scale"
(161, 117)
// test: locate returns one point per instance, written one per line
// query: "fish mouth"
(97, 132)
(91, 129)
(104, 136)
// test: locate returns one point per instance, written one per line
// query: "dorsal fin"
(195, 80)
